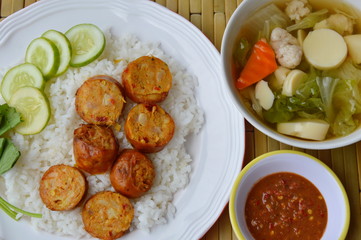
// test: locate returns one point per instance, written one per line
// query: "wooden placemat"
(211, 17)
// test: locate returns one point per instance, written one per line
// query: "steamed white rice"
(54, 144)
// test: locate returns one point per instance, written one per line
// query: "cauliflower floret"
(287, 49)
(297, 9)
(338, 22)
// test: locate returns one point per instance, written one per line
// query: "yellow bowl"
(326, 181)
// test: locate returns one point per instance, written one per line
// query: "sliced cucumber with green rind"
(87, 43)
(22, 75)
(34, 108)
(64, 48)
(45, 55)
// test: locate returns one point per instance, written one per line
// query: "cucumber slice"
(64, 48)
(44, 54)
(87, 43)
(25, 74)
(34, 108)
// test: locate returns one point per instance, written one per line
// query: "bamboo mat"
(211, 16)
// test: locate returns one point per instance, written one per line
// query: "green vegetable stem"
(14, 212)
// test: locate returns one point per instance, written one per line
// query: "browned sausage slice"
(99, 100)
(62, 187)
(149, 128)
(107, 215)
(95, 148)
(132, 174)
(147, 80)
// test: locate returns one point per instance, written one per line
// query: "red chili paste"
(285, 206)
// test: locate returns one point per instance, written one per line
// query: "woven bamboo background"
(211, 17)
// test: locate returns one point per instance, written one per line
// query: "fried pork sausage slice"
(99, 100)
(95, 148)
(107, 215)
(62, 187)
(132, 173)
(147, 80)
(149, 128)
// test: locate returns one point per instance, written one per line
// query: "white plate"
(217, 151)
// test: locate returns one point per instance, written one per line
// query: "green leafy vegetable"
(309, 87)
(2, 145)
(8, 157)
(277, 20)
(346, 71)
(13, 211)
(286, 108)
(327, 87)
(347, 101)
(256, 23)
(9, 118)
(280, 111)
(346, 98)
(306, 103)
(309, 21)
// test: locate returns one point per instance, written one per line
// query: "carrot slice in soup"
(261, 63)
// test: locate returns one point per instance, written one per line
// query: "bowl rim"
(257, 123)
(252, 163)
